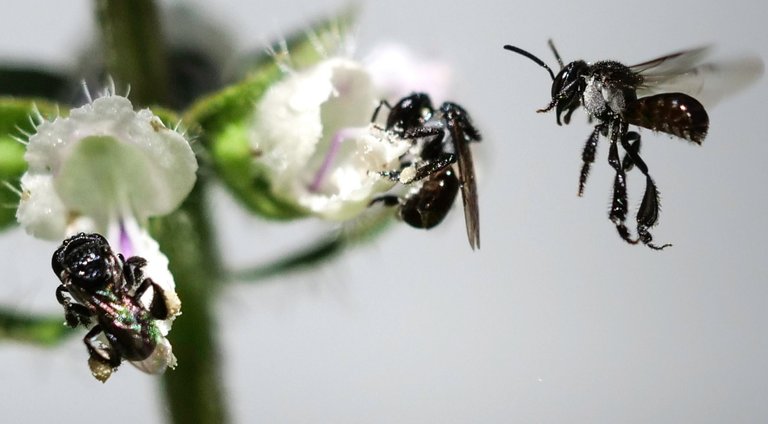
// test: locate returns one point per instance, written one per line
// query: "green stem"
(135, 54)
(193, 390)
(135, 48)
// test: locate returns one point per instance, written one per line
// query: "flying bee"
(663, 94)
(103, 288)
(443, 136)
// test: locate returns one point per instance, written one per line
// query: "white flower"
(103, 162)
(312, 130)
(106, 169)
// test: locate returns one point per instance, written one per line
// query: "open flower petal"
(102, 161)
(312, 130)
(41, 211)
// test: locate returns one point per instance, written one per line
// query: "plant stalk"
(134, 48)
(193, 391)
(135, 54)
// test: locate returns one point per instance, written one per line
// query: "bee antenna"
(557, 55)
(532, 57)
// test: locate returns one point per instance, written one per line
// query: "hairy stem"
(193, 391)
(134, 48)
(135, 53)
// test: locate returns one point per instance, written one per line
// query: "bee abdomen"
(429, 206)
(672, 113)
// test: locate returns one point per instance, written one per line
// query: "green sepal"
(223, 119)
(168, 117)
(16, 120)
(305, 47)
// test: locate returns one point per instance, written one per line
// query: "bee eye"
(56, 264)
(557, 84)
(567, 81)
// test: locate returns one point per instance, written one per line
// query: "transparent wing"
(673, 64)
(462, 136)
(686, 72)
(469, 193)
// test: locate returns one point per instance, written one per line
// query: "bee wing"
(461, 142)
(672, 64)
(708, 82)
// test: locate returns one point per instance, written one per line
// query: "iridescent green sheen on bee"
(99, 285)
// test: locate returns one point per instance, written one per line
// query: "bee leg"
(434, 146)
(74, 313)
(388, 200)
(434, 159)
(549, 107)
(378, 108)
(632, 143)
(158, 308)
(404, 175)
(588, 156)
(393, 175)
(132, 271)
(433, 166)
(648, 213)
(424, 169)
(618, 212)
(100, 351)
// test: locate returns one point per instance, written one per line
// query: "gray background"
(554, 320)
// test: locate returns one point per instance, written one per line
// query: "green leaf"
(359, 231)
(16, 120)
(41, 330)
(224, 118)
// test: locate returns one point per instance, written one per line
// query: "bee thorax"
(603, 100)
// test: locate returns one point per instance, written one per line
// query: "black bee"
(642, 95)
(445, 134)
(97, 285)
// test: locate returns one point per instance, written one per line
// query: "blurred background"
(554, 320)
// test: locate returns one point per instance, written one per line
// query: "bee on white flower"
(312, 131)
(107, 169)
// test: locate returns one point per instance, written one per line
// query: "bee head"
(85, 261)
(567, 88)
(410, 112)
(567, 85)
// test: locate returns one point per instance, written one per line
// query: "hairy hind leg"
(588, 156)
(618, 213)
(648, 213)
